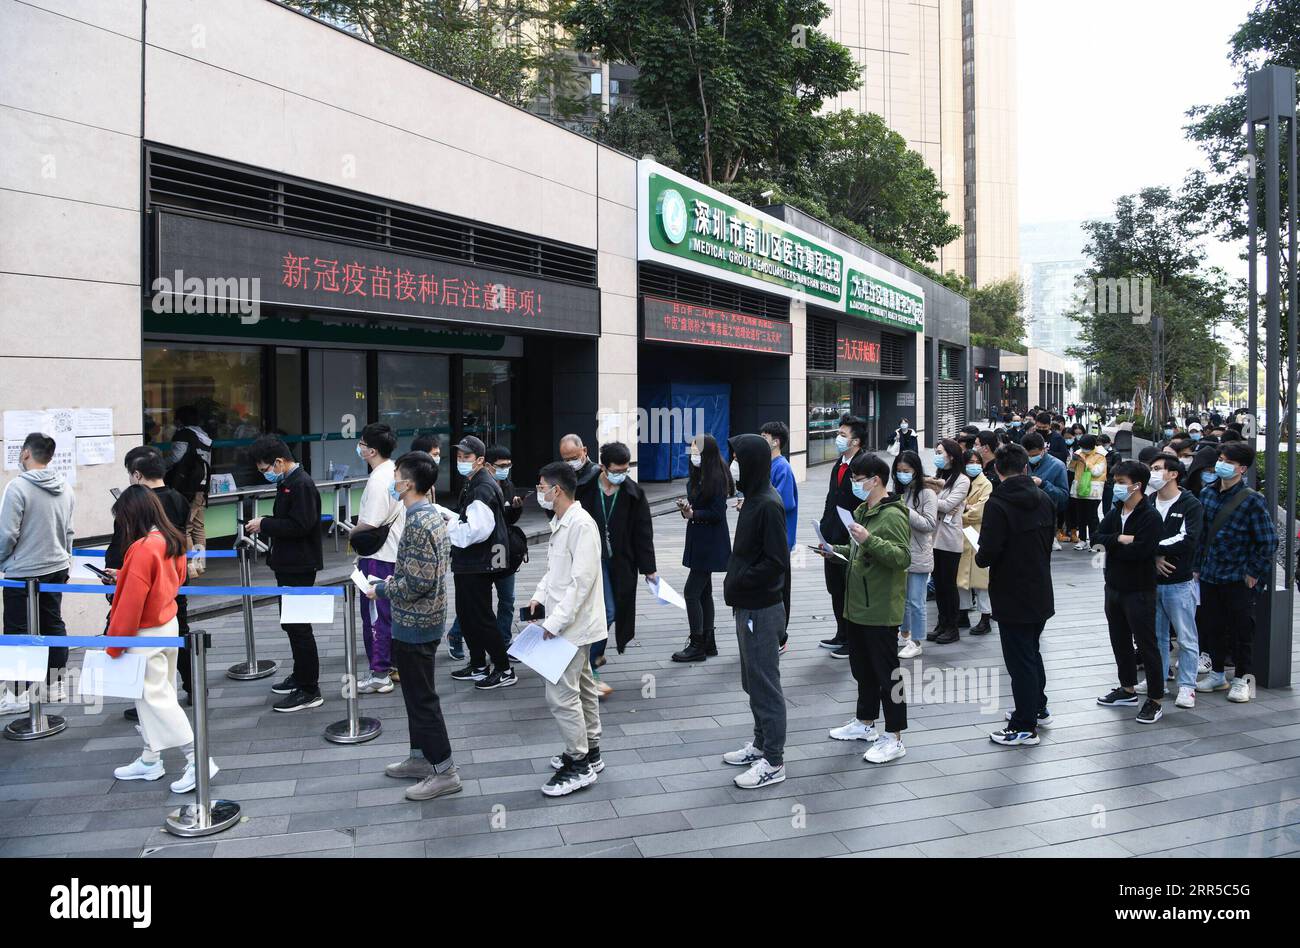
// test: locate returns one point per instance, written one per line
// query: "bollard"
(251, 668)
(204, 816)
(37, 724)
(355, 730)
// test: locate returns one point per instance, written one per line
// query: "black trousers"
(1020, 651)
(945, 587)
(478, 622)
(50, 614)
(424, 719)
(873, 659)
(1227, 625)
(302, 643)
(699, 604)
(836, 577)
(1131, 617)
(1085, 517)
(785, 597)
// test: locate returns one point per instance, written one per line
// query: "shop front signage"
(307, 272)
(692, 325)
(871, 296)
(857, 352)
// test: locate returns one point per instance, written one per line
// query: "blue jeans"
(598, 648)
(1176, 604)
(914, 610)
(505, 584)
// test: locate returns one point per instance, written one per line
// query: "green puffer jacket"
(877, 582)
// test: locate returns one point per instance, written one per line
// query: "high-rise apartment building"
(942, 73)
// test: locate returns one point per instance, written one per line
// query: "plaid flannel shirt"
(1244, 546)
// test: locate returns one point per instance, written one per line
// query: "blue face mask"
(392, 492)
(616, 478)
(501, 474)
(903, 477)
(1196, 436)
(1069, 441)
(940, 461)
(860, 490)
(1120, 493)
(1036, 459)
(360, 452)
(464, 467)
(271, 476)
(974, 470)
(1225, 470)
(1169, 432)
(1208, 477)
(841, 443)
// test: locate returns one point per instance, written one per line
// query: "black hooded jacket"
(760, 553)
(1016, 546)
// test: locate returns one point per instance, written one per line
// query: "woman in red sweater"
(144, 603)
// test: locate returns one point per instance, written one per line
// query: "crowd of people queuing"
(1186, 544)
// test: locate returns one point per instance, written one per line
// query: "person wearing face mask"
(708, 543)
(429, 444)
(1049, 475)
(480, 547)
(1130, 534)
(951, 485)
(380, 508)
(923, 519)
(294, 531)
(1236, 554)
(904, 437)
(1195, 432)
(755, 576)
(777, 434)
(1176, 595)
(973, 580)
(986, 446)
(1014, 431)
(36, 543)
(852, 436)
(1089, 467)
(574, 453)
(619, 506)
(879, 554)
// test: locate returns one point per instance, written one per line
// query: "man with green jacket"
(878, 553)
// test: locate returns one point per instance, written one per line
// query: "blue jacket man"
(777, 435)
(1048, 472)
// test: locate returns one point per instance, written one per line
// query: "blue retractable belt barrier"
(92, 641)
(192, 554)
(189, 590)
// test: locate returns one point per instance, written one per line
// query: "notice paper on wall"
(548, 657)
(24, 663)
(315, 609)
(93, 422)
(95, 450)
(107, 677)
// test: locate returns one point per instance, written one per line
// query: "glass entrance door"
(485, 408)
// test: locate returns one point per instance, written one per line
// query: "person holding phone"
(708, 543)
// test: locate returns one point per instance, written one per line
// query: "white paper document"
(19, 424)
(23, 662)
(121, 677)
(359, 580)
(665, 593)
(95, 450)
(548, 657)
(846, 516)
(821, 541)
(316, 609)
(93, 422)
(973, 538)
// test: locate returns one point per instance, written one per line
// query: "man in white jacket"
(572, 598)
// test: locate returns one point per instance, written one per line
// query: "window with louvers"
(670, 284)
(892, 348)
(951, 407)
(821, 344)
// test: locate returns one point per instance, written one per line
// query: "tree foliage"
(996, 311)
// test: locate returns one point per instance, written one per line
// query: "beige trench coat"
(970, 576)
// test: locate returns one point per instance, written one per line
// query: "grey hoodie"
(36, 524)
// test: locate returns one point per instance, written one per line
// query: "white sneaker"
(1204, 664)
(1186, 697)
(855, 730)
(1081, 547)
(139, 770)
(911, 648)
(1056, 546)
(743, 757)
(14, 704)
(374, 684)
(761, 774)
(884, 750)
(1212, 682)
(1242, 689)
(1140, 687)
(190, 778)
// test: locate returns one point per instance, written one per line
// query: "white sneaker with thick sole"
(1186, 698)
(139, 770)
(910, 649)
(1056, 546)
(375, 685)
(1204, 664)
(855, 730)
(1140, 687)
(761, 774)
(743, 757)
(189, 779)
(1241, 689)
(1211, 683)
(13, 704)
(1081, 547)
(884, 750)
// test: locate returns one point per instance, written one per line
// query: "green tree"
(864, 171)
(639, 133)
(996, 311)
(734, 90)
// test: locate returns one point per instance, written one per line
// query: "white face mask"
(576, 464)
(1157, 482)
(543, 502)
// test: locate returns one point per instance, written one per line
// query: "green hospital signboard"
(685, 224)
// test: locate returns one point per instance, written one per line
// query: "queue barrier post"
(251, 668)
(37, 724)
(204, 816)
(355, 729)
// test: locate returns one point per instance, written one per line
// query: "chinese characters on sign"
(671, 321)
(877, 300)
(860, 351)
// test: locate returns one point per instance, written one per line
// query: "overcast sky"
(1103, 88)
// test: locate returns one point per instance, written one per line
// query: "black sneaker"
(1119, 698)
(470, 673)
(841, 652)
(1150, 712)
(286, 687)
(299, 701)
(500, 678)
(1009, 737)
(831, 644)
(560, 761)
(574, 775)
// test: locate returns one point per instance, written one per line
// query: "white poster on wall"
(95, 450)
(94, 422)
(19, 424)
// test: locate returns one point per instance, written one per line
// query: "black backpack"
(517, 543)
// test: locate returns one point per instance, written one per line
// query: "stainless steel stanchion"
(205, 815)
(251, 668)
(37, 724)
(355, 730)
